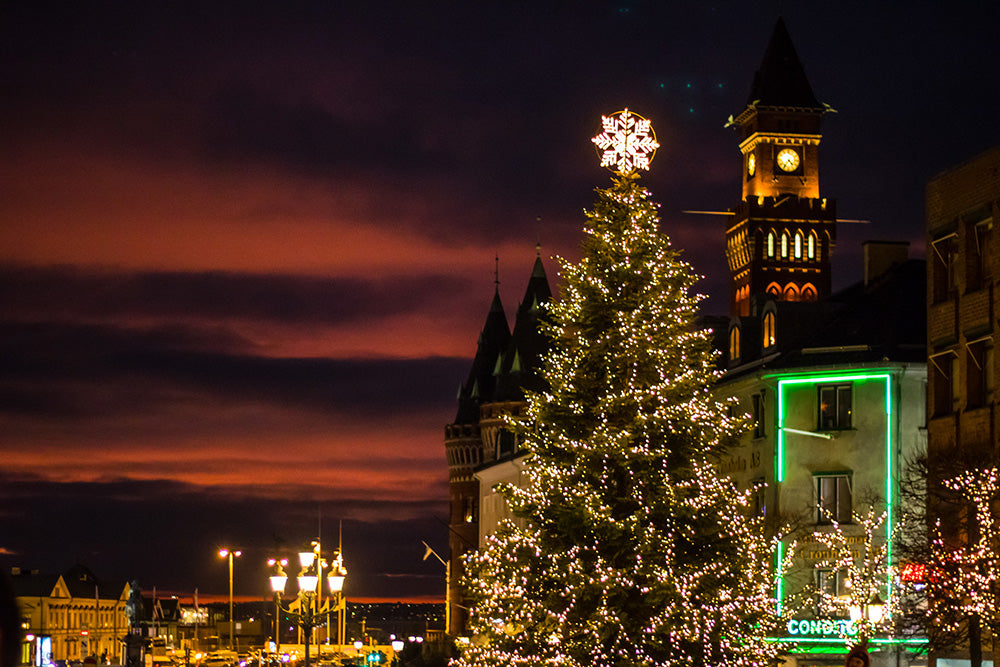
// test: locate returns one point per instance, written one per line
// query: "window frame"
(840, 509)
(768, 328)
(759, 414)
(835, 418)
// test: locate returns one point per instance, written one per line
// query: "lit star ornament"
(628, 142)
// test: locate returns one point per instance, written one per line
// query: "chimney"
(881, 256)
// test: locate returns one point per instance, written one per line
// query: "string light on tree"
(628, 142)
(630, 547)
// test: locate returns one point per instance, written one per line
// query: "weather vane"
(628, 142)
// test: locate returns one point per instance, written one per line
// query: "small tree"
(871, 576)
(963, 573)
(633, 550)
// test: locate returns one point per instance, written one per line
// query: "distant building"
(505, 364)
(963, 206)
(70, 616)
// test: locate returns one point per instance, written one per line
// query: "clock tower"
(781, 235)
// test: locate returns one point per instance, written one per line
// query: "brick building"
(963, 204)
(963, 266)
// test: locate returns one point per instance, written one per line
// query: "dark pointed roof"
(480, 386)
(523, 358)
(781, 81)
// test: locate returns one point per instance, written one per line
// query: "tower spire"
(782, 233)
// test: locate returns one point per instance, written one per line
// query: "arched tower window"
(798, 245)
(791, 292)
(774, 289)
(808, 292)
(811, 246)
(770, 244)
(784, 245)
(769, 334)
(734, 343)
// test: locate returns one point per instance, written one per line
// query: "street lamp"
(230, 554)
(872, 611)
(310, 607)
(278, 580)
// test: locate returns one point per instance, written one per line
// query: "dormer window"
(769, 333)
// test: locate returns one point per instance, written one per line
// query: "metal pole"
(277, 623)
(231, 624)
(307, 624)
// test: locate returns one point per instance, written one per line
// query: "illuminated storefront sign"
(820, 627)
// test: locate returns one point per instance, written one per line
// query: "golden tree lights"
(633, 550)
(873, 599)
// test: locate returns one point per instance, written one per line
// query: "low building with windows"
(70, 616)
(835, 389)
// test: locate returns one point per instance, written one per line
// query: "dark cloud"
(72, 293)
(64, 365)
(124, 526)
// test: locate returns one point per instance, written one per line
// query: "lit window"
(784, 245)
(774, 289)
(835, 407)
(769, 334)
(833, 498)
(734, 343)
(808, 292)
(798, 245)
(791, 292)
(471, 514)
(770, 244)
(832, 583)
(811, 246)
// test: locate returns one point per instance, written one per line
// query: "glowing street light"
(230, 554)
(310, 607)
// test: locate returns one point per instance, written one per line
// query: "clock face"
(788, 159)
(751, 164)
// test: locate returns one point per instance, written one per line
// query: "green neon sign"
(779, 459)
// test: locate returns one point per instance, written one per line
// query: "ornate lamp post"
(867, 616)
(278, 580)
(230, 554)
(310, 607)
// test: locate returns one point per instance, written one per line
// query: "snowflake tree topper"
(628, 142)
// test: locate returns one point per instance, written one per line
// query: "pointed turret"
(481, 384)
(523, 357)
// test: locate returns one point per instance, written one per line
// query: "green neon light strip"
(840, 640)
(779, 463)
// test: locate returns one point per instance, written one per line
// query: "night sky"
(246, 249)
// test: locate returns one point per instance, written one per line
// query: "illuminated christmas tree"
(630, 548)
